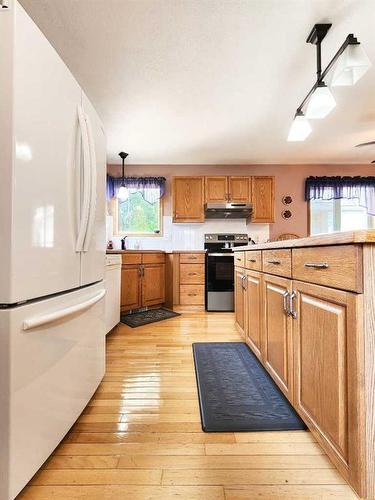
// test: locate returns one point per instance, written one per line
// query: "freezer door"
(40, 257)
(57, 354)
(93, 250)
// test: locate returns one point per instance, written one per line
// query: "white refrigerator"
(52, 249)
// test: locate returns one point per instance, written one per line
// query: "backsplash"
(188, 236)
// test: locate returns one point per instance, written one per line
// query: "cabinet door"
(130, 288)
(239, 299)
(262, 197)
(216, 189)
(253, 320)
(188, 199)
(239, 189)
(153, 284)
(326, 352)
(278, 348)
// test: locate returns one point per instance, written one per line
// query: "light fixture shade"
(351, 66)
(122, 194)
(320, 104)
(300, 129)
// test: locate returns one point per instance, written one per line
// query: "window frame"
(116, 232)
(337, 218)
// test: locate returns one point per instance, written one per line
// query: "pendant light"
(122, 193)
(351, 66)
(300, 128)
(321, 103)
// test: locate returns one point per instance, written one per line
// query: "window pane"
(322, 215)
(353, 216)
(135, 215)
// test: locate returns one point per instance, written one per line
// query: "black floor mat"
(146, 317)
(236, 393)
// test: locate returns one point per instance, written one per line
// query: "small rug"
(236, 393)
(145, 317)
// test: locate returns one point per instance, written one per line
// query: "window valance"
(333, 188)
(151, 188)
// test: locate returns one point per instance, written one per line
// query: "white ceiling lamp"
(122, 193)
(351, 66)
(350, 63)
(300, 128)
(321, 103)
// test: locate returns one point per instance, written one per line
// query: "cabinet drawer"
(153, 258)
(333, 266)
(277, 262)
(192, 258)
(131, 258)
(253, 260)
(239, 259)
(191, 295)
(192, 274)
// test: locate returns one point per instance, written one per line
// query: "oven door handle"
(220, 255)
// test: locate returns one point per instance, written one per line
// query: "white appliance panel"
(45, 141)
(113, 288)
(53, 371)
(93, 255)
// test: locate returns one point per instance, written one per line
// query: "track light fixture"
(350, 63)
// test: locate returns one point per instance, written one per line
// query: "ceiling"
(213, 81)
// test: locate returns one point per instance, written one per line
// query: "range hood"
(227, 210)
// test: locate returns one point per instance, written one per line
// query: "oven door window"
(220, 273)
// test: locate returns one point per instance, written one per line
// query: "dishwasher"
(113, 289)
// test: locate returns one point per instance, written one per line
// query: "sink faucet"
(123, 243)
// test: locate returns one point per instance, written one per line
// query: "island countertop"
(318, 240)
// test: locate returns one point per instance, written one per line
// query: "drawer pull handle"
(192, 294)
(192, 274)
(317, 265)
(252, 260)
(276, 262)
(192, 258)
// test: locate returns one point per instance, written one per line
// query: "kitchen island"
(306, 308)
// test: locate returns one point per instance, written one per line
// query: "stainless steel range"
(219, 283)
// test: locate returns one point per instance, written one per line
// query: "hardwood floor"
(140, 436)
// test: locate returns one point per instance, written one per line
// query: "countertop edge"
(338, 238)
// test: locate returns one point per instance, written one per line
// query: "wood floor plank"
(291, 492)
(111, 492)
(151, 437)
(275, 437)
(264, 449)
(129, 449)
(227, 462)
(232, 477)
(64, 477)
(84, 462)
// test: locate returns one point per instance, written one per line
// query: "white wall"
(189, 236)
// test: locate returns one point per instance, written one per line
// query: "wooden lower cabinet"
(326, 385)
(239, 299)
(131, 297)
(153, 284)
(143, 282)
(253, 312)
(277, 332)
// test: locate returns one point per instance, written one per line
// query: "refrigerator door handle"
(86, 181)
(45, 319)
(92, 209)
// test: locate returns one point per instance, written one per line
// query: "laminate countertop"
(318, 240)
(135, 251)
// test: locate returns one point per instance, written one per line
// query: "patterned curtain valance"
(334, 188)
(151, 188)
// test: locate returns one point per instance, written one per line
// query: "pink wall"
(289, 179)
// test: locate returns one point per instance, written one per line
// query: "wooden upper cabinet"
(239, 189)
(230, 189)
(216, 189)
(326, 352)
(277, 331)
(188, 199)
(262, 197)
(153, 284)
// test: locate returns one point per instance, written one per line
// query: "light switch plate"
(5, 4)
